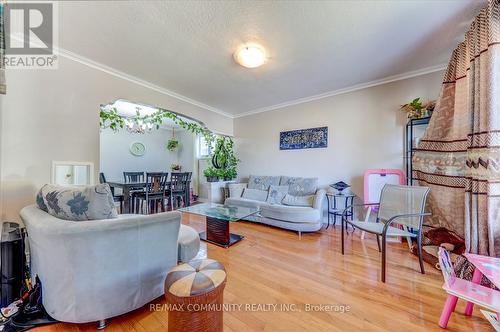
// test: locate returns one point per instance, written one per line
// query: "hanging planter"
(172, 143)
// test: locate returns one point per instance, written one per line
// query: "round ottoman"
(194, 293)
(189, 243)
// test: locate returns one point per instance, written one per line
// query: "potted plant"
(224, 159)
(229, 173)
(417, 110)
(176, 167)
(212, 174)
(172, 144)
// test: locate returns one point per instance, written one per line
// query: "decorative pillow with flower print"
(300, 186)
(276, 194)
(262, 182)
(40, 202)
(79, 203)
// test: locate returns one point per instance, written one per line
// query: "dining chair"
(116, 198)
(129, 177)
(178, 188)
(188, 188)
(401, 206)
(133, 176)
(154, 193)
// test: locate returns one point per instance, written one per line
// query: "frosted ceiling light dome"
(250, 56)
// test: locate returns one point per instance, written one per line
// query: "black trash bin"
(11, 263)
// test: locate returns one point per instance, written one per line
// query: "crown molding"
(351, 88)
(117, 73)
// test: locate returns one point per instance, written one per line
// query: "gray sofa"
(305, 218)
(97, 269)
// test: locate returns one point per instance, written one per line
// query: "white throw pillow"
(236, 189)
(298, 200)
(255, 194)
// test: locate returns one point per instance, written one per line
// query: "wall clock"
(137, 149)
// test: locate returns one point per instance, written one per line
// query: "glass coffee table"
(218, 218)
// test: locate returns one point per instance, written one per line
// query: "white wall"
(365, 130)
(115, 156)
(54, 115)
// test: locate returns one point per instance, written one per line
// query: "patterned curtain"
(459, 155)
(3, 84)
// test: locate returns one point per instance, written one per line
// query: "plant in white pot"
(176, 167)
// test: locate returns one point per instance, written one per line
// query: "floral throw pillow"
(79, 203)
(262, 182)
(300, 186)
(40, 202)
(276, 194)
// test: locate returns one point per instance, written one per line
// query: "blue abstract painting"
(311, 138)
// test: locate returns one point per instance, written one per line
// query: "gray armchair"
(399, 205)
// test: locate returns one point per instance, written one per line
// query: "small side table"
(335, 208)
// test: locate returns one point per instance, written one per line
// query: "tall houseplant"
(224, 158)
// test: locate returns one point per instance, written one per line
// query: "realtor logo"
(31, 32)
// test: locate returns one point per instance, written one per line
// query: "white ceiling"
(315, 47)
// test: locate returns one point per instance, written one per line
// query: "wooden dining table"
(128, 187)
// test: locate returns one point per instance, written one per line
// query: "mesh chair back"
(156, 182)
(133, 176)
(398, 200)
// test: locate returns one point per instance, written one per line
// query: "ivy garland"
(111, 119)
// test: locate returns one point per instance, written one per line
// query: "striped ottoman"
(194, 293)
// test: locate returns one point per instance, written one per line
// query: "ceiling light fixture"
(139, 124)
(250, 56)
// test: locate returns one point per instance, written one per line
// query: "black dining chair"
(179, 186)
(133, 176)
(154, 193)
(116, 198)
(188, 188)
(129, 177)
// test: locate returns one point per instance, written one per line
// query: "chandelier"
(138, 124)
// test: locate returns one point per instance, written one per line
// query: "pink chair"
(463, 289)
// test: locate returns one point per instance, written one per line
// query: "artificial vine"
(224, 161)
(112, 120)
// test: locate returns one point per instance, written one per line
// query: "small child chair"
(463, 289)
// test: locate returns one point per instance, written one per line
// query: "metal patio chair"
(400, 206)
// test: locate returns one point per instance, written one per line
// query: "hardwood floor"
(272, 266)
